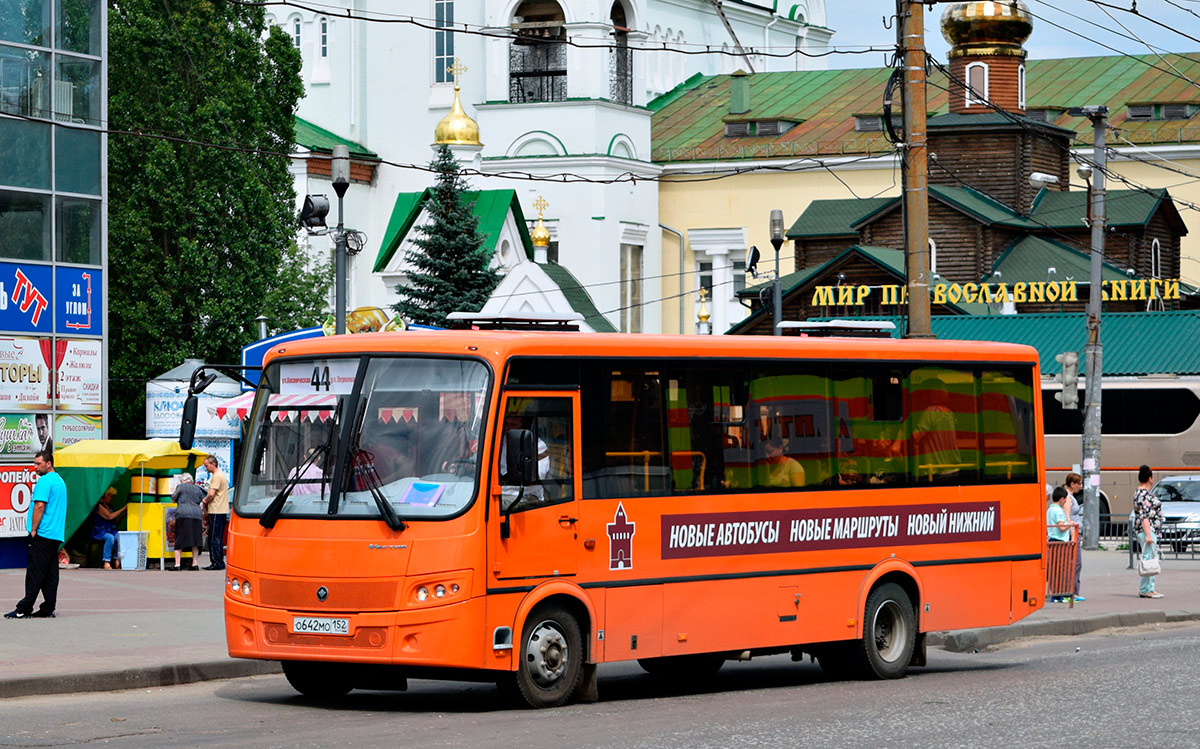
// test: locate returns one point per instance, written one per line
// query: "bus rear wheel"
(319, 681)
(551, 659)
(889, 633)
(683, 667)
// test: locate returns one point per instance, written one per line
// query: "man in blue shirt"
(47, 531)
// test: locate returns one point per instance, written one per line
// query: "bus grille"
(343, 595)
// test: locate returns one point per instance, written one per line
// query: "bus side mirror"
(520, 457)
(187, 427)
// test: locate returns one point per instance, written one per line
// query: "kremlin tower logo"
(620, 541)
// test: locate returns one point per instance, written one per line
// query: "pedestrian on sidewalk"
(188, 499)
(1059, 528)
(217, 506)
(104, 527)
(47, 531)
(1074, 486)
(1147, 518)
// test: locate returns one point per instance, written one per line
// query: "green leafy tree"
(450, 267)
(201, 237)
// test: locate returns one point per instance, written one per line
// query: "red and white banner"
(719, 534)
(307, 407)
(16, 492)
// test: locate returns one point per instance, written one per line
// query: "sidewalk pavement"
(120, 629)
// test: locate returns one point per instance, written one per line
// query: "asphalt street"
(1051, 691)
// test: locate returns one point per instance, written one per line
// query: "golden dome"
(540, 234)
(456, 128)
(987, 27)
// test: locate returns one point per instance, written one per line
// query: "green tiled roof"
(1061, 209)
(1135, 343)
(1027, 259)
(316, 138)
(980, 206)
(834, 218)
(577, 297)
(687, 123)
(491, 207)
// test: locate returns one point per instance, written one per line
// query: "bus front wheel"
(551, 664)
(319, 681)
(889, 633)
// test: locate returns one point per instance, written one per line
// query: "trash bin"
(133, 549)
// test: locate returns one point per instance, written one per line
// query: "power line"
(1129, 36)
(1110, 48)
(808, 163)
(1134, 11)
(1152, 49)
(491, 32)
(1080, 157)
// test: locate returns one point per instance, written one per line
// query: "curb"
(966, 640)
(136, 678)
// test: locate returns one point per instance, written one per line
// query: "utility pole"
(1095, 371)
(915, 174)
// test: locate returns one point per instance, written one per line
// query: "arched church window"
(977, 83)
(537, 56)
(620, 58)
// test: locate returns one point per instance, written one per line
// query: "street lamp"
(340, 172)
(312, 218)
(777, 242)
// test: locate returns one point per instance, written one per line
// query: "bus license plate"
(312, 625)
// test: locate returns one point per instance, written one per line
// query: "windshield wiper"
(362, 466)
(271, 514)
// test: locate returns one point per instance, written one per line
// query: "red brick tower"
(986, 54)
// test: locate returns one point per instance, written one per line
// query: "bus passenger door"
(537, 537)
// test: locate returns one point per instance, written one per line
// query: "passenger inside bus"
(777, 469)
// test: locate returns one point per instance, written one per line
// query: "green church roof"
(491, 207)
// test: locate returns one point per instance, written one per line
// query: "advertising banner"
(25, 294)
(164, 410)
(77, 301)
(79, 375)
(16, 492)
(72, 428)
(720, 534)
(23, 434)
(24, 373)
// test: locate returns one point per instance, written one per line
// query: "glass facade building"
(53, 226)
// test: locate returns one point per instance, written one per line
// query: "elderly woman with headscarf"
(189, 530)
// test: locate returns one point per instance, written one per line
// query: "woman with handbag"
(1147, 519)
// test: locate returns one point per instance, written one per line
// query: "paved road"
(1049, 692)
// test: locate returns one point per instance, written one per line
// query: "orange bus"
(520, 507)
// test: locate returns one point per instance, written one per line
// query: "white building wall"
(376, 87)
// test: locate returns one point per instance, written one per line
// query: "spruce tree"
(449, 266)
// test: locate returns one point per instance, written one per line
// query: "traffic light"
(1069, 377)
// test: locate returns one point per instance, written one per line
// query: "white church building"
(553, 106)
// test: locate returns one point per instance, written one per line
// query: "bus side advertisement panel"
(774, 531)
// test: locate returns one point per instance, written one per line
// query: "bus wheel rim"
(890, 631)
(546, 655)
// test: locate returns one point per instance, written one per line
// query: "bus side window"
(870, 442)
(944, 424)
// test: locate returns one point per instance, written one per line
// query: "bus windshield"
(408, 437)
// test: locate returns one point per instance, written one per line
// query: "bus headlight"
(446, 587)
(246, 588)
(440, 591)
(236, 585)
(422, 593)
